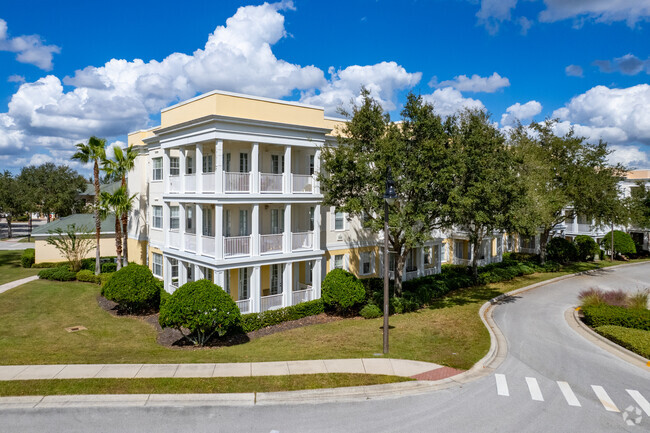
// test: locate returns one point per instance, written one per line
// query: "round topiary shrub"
(27, 258)
(201, 307)
(370, 311)
(587, 247)
(134, 288)
(623, 243)
(342, 290)
(561, 250)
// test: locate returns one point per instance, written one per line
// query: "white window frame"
(157, 267)
(157, 172)
(156, 217)
(226, 162)
(242, 286)
(174, 218)
(189, 219)
(275, 279)
(365, 258)
(175, 272)
(226, 223)
(207, 165)
(174, 166)
(208, 222)
(339, 216)
(189, 164)
(243, 222)
(244, 162)
(336, 264)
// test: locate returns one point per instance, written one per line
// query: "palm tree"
(93, 151)
(123, 163)
(119, 202)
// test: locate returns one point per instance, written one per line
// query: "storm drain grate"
(76, 328)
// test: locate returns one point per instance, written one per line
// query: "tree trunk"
(543, 241)
(98, 221)
(118, 243)
(125, 233)
(29, 228)
(399, 269)
(476, 248)
(9, 232)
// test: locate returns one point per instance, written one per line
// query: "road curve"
(552, 379)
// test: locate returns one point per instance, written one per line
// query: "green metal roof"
(79, 220)
(107, 187)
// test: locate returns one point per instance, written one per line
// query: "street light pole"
(389, 198)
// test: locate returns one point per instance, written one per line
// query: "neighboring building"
(227, 190)
(48, 253)
(88, 196)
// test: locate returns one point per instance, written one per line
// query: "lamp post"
(389, 199)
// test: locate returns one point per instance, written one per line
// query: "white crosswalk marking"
(640, 400)
(533, 387)
(604, 398)
(570, 397)
(502, 385)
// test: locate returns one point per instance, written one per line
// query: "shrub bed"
(27, 258)
(61, 273)
(587, 248)
(636, 340)
(109, 267)
(601, 315)
(88, 276)
(623, 243)
(254, 321)
(134, 288)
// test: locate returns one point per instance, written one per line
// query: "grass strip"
(10, 268)
(191, 385)
(636, 340)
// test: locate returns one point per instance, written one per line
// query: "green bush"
(561, 250)
(623, 243)
(254, 321)
(371, 311)
(104, 278)
(88, 276)
(62, 273)
(601, 315)
(27, 258)
(201, 307)
(636, 340)
(587, 247)
(342, 291)
(108, 267)
(134, 288)
(49, 264)
(164, 294)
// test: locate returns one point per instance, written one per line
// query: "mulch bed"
(174, 339)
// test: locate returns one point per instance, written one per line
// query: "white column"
(421, 261)
(198, 211)
(182, 169)
(181, 225)
(255, 169)
(218, 166)
(166, 169)
(166, 216)
(198, 273)
(286, 284)
(287, 170)
(317, 227)
(219, 278)
(199, 168)
(287, 228)
(167, 274)
(255, 289)
(255, 232)
(182, 273)
(218, 231)
(316, 277)
(317, 171)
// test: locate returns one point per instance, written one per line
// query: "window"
(276, 279)
(411, 263)
(582, 219)
(207, 164)
(311, 219)
(156, 221)
(157, 169)
(208, 274)
(459, 249)
(174, 166)
(275, 222)
(189, 218)
(173, 218)
(311, 164)
(226, 281)
(276, 167)
(226, 223)
(339, 223)
(207, 222)
(173, 264)
(366, 263)
(243, 284)
(243, 222)
(338, 261)
(243, 162)
(189, 165)
(157, 265)
(190, 272)
(309, 270)
(226, 162)
(428, 256)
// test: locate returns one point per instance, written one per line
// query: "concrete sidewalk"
(16, 283)
(393, 367)
(13, 244)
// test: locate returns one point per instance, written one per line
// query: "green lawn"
(191, 385)
(33, 318)
(10, 268)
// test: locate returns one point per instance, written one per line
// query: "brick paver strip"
(438, 374)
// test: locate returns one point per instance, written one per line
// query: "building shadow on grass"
(470, 295)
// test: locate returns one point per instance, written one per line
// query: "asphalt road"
(551, 381)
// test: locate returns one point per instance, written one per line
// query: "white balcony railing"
(244, 305)
(175, 239)
(271, 302)
(271, 243)
(236, 246)
(190, 183)
(411, 275)
(459, 261)
(270, 182)
(236, 182)
(299, 296)
(302, 241)
(174, 184)
(209, 246)
(303, 183)
(209, 182)
(190, 242)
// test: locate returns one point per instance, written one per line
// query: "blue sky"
(73, 69)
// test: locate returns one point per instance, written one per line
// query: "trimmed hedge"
(27, 258)
(134, 288)
(254, 321)
(587, 247)
(62, 273)
(602, 315)
(88, 276)
(561, 250)
(109, 267)
(89, 263)
(342, 291)
(49, 264)
(636, 340)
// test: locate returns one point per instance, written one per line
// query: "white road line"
(640, 400)
(604, 398)
(533, 387)
(502, 385)
(570, 397)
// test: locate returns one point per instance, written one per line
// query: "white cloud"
(110, 149)
(615, 115)
(494, 12)
(573, 71)
(448, 101)
(628, 64)
(16, 79)
(630, 156)
(474, 84)
(520, 112)
(29, 49)
(382, 80)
